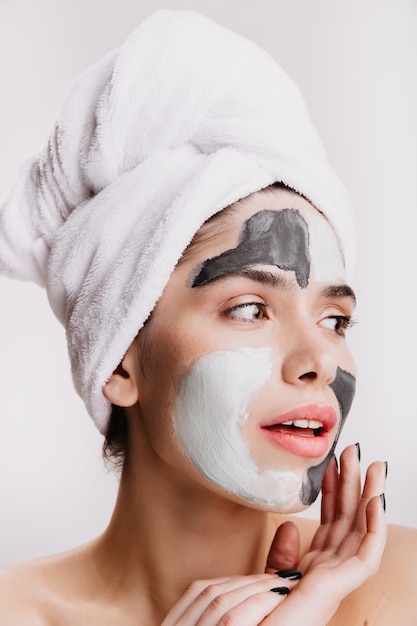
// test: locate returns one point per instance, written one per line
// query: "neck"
(166, 533)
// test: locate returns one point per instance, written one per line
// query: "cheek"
(212, 404)
(158, 377)
(210, 411)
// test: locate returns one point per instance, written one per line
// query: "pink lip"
(303, 442)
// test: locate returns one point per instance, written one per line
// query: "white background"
(356, 63)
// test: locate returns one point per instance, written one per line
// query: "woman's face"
(246, 377)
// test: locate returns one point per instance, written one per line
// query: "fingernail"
(384, 502)
(386, 469)
(282, 591)
(336, 462)
(290, 574)
(358, 449)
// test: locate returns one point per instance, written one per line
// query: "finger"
(373, 544)
(350, 483)
(188, 596)
(213, 598)
(340, 497)
(253, 610)
(330, 489)
(284, 552)
(374, 485)
(237, 608)
(348, 497)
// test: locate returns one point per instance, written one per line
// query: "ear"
(121, 388)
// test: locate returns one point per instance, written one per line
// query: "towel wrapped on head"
(184, 119)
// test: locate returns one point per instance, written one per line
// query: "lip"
(304, 442)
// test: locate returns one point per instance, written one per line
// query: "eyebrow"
(339, 291)
(272, 279)
(269, 279)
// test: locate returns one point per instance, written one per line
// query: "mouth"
(304, 431)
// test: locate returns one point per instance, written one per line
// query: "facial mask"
(277, 238)
(212, 403)
(209, 412)
(284, 239)
(326, 258)
(343, 388)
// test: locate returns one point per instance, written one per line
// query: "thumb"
(284, 552)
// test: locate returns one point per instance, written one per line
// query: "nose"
(309, 359)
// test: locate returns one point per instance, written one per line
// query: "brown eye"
(248, 311)
(337, 323)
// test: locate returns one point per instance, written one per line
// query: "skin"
(175, 345)
(182, 550)
(210, 407)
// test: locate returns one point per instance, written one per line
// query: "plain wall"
(356, 63)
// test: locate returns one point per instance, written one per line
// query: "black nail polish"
(336, 461)
(386, 469)
(358, 449)
(289, 574)
(282, 591)
(384, 502)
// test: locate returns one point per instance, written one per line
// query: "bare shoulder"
(22, 597)
(63, 590)
(45, 592)
(398, 572)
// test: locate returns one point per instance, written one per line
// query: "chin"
(270, 490)
(257, 503)
(276, 491)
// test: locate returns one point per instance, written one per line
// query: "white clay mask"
(326, 258)
(210, 410)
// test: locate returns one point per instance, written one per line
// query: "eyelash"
(345, 322)
(261, 306)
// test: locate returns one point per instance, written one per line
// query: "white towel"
(184, 119)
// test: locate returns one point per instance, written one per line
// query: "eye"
(248, 311)
(337, 323)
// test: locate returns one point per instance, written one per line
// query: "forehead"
(274, 227)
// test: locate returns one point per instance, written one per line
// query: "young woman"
(206, 304)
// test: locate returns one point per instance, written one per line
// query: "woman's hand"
(240, 600)
(345, 552)
(346, 549)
